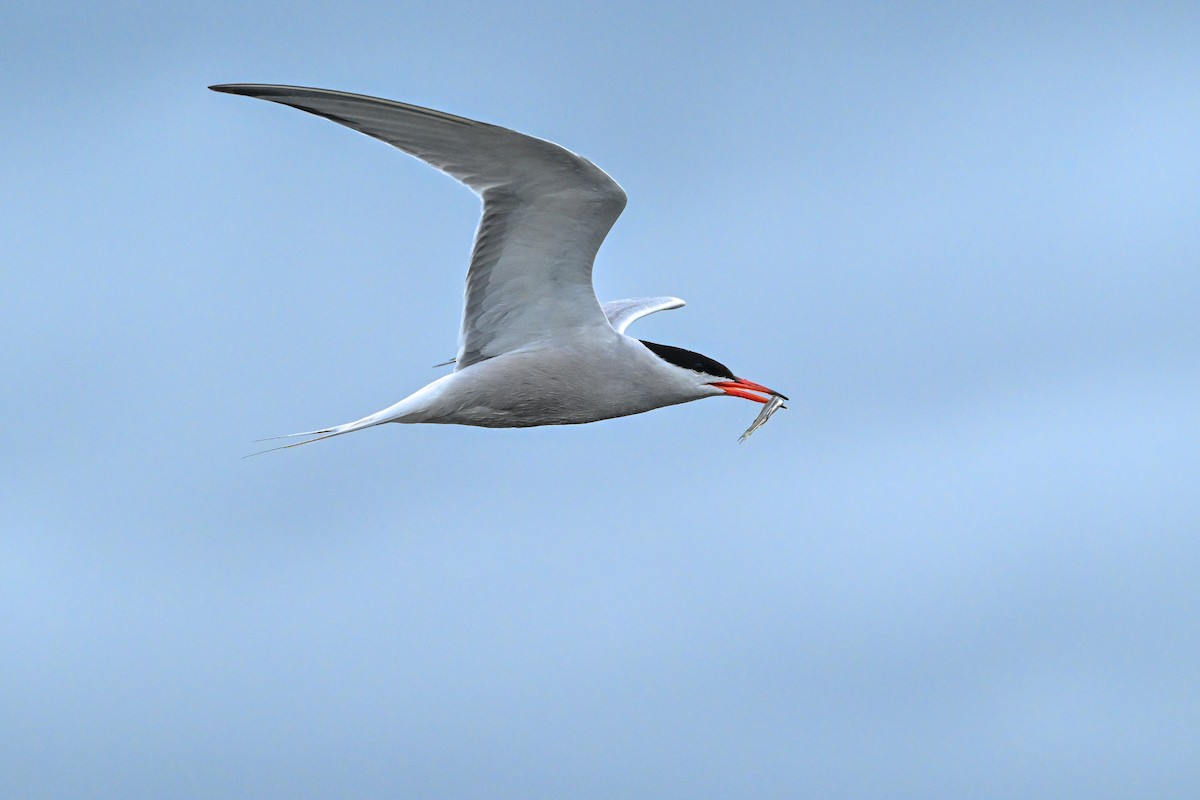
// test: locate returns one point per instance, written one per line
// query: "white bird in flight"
(536, 346)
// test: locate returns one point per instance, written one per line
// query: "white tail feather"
(293, 435)
(411, 409)
(325, 433)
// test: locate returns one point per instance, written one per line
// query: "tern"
(536, 346)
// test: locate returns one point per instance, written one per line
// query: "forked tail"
(413, 408)
(387, 415)
(324, 433)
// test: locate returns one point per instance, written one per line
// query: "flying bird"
(536, 347)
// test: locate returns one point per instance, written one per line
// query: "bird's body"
(554, 385)
(536, 347)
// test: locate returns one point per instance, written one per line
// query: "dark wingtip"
(251, 89)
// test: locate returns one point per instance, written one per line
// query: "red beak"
(744, 388)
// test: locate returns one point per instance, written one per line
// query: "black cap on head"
(689, 360)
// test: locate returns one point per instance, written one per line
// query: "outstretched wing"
(621, 313)
(545, 213)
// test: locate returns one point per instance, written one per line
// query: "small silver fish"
(771, 406)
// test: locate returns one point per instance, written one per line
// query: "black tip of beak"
(740, 387)
(758, 387)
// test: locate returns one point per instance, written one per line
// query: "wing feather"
(546, 211)
(621, 313)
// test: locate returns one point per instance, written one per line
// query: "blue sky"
(963, 563)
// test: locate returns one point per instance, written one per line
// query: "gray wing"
(545, 213)
(621, 313)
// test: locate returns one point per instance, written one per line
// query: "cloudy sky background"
(963, 563)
